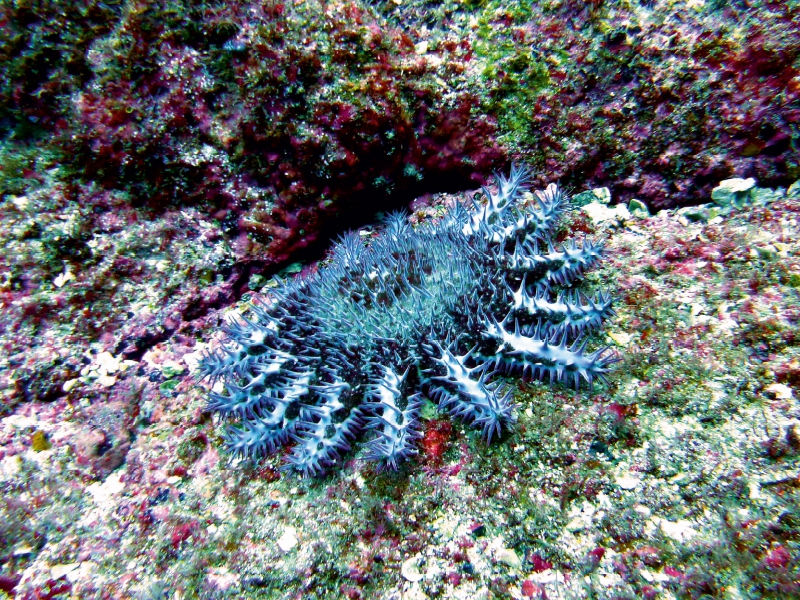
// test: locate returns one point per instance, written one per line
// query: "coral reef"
(356, 343)
(655, 100)
(678, 478)
(276, 119)
(160, 161)
(281, 119)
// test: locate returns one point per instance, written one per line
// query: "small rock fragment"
(733, 192)
(779, 391)
(63, 279)
(602, 214)
(508, 557)
(411, 569)
(680, 530)
(627, 482)
(638, 209)
(65, 570)
(288, 539)
(603, 195)
(172, 369)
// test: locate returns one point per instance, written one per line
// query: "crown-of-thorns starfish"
(439, 310)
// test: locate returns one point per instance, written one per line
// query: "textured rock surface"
(279, 117)
(159, 161)
(634, 490)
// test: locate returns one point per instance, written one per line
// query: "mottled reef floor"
(679, 479)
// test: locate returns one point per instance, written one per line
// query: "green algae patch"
(514, 75)
(168, 386)
(39, 441)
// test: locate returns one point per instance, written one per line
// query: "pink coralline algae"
(276, 119)
(658, 105)
(283, 119)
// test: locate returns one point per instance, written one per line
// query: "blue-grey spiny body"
(438, 310)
